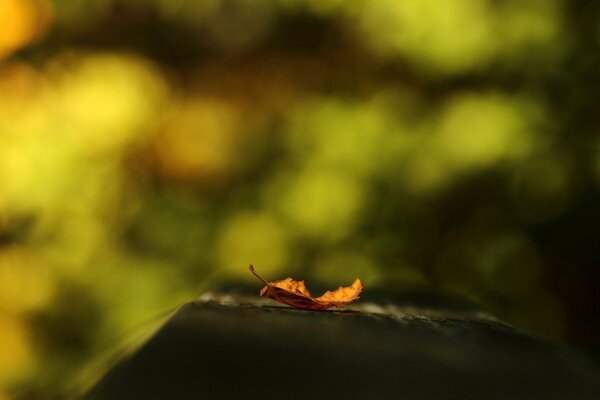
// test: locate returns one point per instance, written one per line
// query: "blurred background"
(152, 149)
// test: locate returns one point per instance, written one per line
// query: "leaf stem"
(271, 290)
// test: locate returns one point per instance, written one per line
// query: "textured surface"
(228, 346)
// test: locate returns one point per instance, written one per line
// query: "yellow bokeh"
(529, 26)
(448, 37)
(472, 131)
(355, 137)
(83, 116)
(26, 284)
(319, 203)
(105, 102)
(478, 131)
(17, 355)
(253, 238)
(438, 35)
(21, 22)
(199, 143)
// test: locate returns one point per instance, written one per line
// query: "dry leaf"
(295, 294)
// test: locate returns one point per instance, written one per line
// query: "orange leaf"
(295, 294)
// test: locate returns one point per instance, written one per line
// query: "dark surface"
(242, 347)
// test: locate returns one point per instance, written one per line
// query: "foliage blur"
(150, 148)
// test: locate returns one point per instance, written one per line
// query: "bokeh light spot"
(17, 353)
(199, 143)
(321, 204)
(22, 21)
(26, 285)
(458, 33)
(478, 131)
(253, 238)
